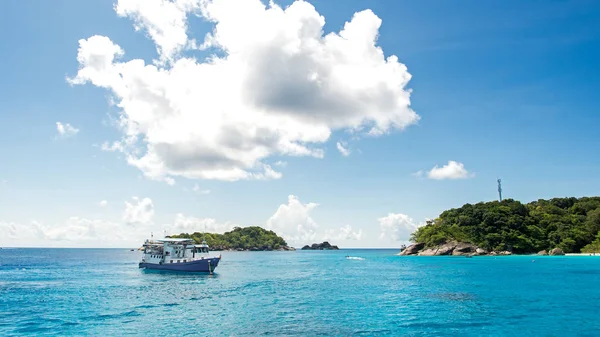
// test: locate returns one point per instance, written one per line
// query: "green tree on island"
(246, 238)
(593, 247)
(568, 223)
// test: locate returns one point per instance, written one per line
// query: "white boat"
(178, 255)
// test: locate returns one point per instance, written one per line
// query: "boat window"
(171, 261)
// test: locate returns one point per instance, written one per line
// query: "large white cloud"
(293, 221)
(279, 88)
(164, 21)
(397, 226)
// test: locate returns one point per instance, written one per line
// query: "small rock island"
(320, 246)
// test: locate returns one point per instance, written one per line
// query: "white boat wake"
(354, 258)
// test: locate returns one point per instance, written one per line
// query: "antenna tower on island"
(500, 189)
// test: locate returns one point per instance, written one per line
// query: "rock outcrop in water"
(462, 248)
(320, 246)
(449, 248)
(412, 249)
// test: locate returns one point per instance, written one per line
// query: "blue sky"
(507, 88)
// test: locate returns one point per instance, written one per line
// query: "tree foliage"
(246, 238)
(567, 223)
(593, 247)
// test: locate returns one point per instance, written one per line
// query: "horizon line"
(297, 248)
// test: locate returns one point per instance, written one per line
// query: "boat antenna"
(151, 235)
(500, 189)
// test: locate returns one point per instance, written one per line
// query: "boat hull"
(205, 265)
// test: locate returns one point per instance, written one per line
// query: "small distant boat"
(178, 255)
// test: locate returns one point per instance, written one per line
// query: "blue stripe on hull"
(193, 266)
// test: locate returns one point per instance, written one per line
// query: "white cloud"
(81, 229)
(199, 190)
(281, 163)
(103, 203)
(341, 146)
(74, 232)
(66, 130)
(164, 21)
(344, 233)
(397, 226)
(293, 222)
(280, 89)
(418, 174)
(115, 146)
(185, 224)
(453, 170)
(83, 232)
(140, 211)
(14, 231)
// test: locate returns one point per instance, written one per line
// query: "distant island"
(320, 246)
(547, 227)
(251, 238)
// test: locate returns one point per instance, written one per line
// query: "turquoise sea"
(92, 292)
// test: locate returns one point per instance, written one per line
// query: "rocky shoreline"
(461, 249)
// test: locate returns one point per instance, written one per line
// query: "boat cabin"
(173, 251)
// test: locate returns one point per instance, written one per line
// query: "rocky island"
(320, 246)
(461, 249)
(252, 238)
(546, 227)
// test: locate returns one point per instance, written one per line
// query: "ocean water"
(93, 292)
